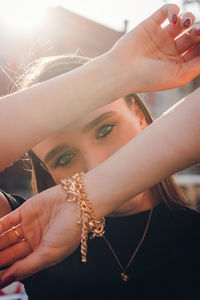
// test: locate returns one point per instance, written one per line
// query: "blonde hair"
(49, 67)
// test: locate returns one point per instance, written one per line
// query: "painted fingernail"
(187, 22)
(174, 19)
(8, 280)
(197, 30)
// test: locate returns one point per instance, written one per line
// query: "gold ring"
(19, 238)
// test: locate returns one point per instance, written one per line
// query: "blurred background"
(32, 29)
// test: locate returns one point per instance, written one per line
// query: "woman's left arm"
(49, 223)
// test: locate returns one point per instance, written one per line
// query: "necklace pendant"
(124, 277)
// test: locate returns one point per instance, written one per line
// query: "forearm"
(167, 146)
(32, 114)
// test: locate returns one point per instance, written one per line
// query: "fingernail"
(197, 30)
(187, 22)
(8, 280)
(174, 19)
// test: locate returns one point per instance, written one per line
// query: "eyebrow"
(87, 128)
(98, 120)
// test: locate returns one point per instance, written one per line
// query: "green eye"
(103, 131)
(64, 159)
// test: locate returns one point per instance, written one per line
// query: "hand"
(155, 58)
(45, 232)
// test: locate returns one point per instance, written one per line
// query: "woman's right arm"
(49, 223)
(29, 116)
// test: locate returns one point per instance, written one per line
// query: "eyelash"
(107, 132)
(71, 155)
(58, 161)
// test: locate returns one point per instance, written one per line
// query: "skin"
(83, 147)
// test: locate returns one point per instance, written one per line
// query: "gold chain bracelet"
(75, 190)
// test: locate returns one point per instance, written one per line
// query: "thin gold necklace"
(123, 274)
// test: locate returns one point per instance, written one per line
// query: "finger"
(169, 11)
(183, 23)
(191, 54)
(28, 266)
(187, 20)
(188, 40)
(189, 70)
(12, 219)
(15, 252)
(12, 236)
(166, 11)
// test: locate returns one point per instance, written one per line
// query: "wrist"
(125, 72)
(118, 74)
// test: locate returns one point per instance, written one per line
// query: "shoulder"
(187, 221)
(179, 213)
(181, 223)
(177, 231)
(187, 213)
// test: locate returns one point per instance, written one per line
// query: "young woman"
(161, 237)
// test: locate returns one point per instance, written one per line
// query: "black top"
(167, 265)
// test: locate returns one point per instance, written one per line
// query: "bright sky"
(112, 13)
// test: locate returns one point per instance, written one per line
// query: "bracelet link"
(76, 192)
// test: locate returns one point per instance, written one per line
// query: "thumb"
(190, 70)
(166, 11)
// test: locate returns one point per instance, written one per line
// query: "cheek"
(64, 173)
(57, 176)
(123, 134)
(128, 131)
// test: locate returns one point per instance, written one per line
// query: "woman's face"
(92, 140)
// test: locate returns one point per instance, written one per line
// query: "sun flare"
(21, 15)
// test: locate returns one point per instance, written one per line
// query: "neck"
(140, 203)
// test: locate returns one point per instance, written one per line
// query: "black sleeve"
(14, 200)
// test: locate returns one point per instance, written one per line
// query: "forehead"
(117, 106)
